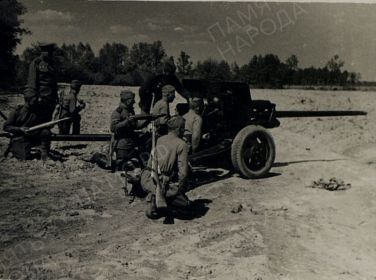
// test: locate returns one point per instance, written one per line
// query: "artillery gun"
(233, 125)
(237, 125)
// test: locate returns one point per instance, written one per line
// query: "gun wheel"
(253, 152)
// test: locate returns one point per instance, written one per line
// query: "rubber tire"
(237, 148)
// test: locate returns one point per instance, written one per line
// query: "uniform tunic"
(42, 82)
(172, 157)
(161, 107)
(70, 109)
(124, 129)
(193, 125)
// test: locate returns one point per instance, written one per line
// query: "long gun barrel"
(47, 124)
(73, 138)
(308, 114)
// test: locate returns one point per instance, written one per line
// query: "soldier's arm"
(117, 124)
(32, 79)
(164, 110)
(182, 165)
(9, 125)
(196, 134)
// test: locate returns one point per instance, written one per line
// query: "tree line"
(116, 64)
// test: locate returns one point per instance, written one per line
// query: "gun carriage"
(234, 125)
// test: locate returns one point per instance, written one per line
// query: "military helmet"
(126, 94)
(167, 89)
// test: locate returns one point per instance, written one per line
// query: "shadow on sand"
(197, 209)
(282, 164)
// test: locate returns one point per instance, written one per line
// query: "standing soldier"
(172, 158)
(163, 107)
(123, 125)
(70, 108)
(23, 117)
(193, 123)
(154, 83)
(42, 81)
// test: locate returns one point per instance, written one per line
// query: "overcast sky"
(313, 31)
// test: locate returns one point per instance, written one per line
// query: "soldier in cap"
(193, 123)
(172, 158)
(21, 118)
(123, 125)
(71, 106)
(155, 82)
(163, 107)
(42, 81)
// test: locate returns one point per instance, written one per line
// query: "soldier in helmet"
(42, 81)
(163, 107)
(21, 118)
(71, 107)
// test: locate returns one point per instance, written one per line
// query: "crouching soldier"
(172, 163)
(19, 120)
(71, 106)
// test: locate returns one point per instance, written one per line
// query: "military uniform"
(193, 125)
(70, 108)
(123, 127)
(42, 82)
(154, 85)
(22, 143)
(172, 156)
(161, 107)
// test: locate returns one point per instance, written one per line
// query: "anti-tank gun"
(239, 125)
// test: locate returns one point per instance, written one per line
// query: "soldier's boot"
(44, 150)
(151, 208)
(44, 154)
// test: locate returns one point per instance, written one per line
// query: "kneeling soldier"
(172, 164)
(19, 120)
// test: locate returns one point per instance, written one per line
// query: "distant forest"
(117, 64)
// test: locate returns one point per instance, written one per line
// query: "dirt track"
(70, 220)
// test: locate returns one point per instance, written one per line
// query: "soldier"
(154, 84)
(172, 158)
(123, 126)
(70, 108)
(163, 107)
(42, 81)
(19, 120)
(193, 123)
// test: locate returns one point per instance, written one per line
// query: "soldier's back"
(168, 148)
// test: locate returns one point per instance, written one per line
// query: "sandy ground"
(70, 219)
